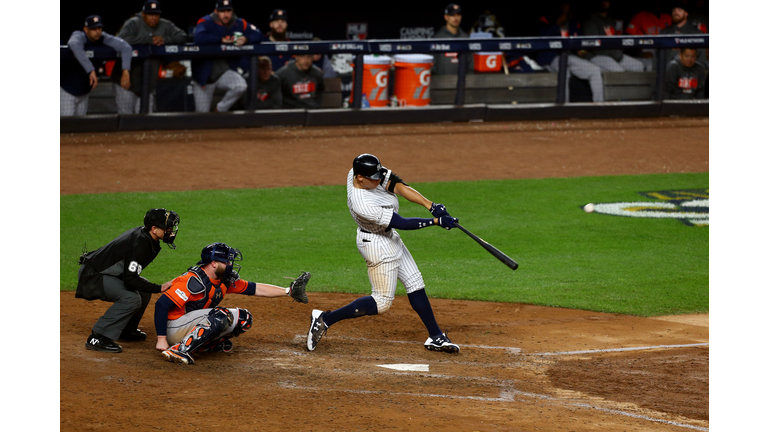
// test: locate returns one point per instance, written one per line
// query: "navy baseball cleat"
(441, 343)
(97, 342)
(316, 329)
(224, 346)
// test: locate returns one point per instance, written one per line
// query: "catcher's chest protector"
(199, 283)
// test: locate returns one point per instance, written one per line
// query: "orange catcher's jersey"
(194, 290)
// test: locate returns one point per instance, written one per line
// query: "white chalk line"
(515, 350)
(512, 350)
(505, 396)
(620, 349)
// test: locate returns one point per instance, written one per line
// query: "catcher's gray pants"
(231, 81)
(581, 69)
(70, 105)
(129, 102)
(179, 328)
(627, 64)
(125, 313)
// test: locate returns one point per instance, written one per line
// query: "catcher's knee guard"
(219, 320)
(244, 322)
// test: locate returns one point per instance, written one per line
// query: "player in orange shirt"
(188, 317)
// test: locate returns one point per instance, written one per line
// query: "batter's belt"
(368, 232)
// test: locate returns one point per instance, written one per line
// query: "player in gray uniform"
(78, 77)
(372, 200)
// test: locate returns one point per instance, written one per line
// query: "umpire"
(112, 273)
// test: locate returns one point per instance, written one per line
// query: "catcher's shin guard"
(219, 320)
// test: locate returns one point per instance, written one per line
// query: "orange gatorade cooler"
(488, 61)
(375, 80)
(413, 73)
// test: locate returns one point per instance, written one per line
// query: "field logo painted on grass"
(689, 206)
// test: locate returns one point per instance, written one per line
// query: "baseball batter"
(188, 315)
(372, 192)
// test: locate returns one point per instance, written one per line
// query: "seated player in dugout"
(302, 83)
(686, 77)
(269, 94)
(188, 318)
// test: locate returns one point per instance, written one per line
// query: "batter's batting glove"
(438, 210)
(298, 288)
(447, 222)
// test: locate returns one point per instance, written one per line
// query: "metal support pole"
(146, 72)
(661, 69)
(357, 85)
(253, 82)
(461, 79)
(562, 76)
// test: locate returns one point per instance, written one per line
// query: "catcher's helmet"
(221, 252)
(368, 165)
(165, 219)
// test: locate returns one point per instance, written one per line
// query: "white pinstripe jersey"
(372, 209)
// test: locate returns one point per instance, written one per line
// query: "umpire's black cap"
(278, 14)
(93, 21)
(151, 7)
(368, 165)
(224, 5)
(452, 9)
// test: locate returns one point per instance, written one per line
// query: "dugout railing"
(451, 92)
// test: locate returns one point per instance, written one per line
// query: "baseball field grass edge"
(568, 258)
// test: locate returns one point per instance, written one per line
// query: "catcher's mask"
(165, 219)
(221, 252)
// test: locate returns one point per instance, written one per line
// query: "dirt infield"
(521, 367)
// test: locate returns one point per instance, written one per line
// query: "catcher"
(188, 318)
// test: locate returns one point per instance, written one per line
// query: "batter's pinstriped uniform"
(385, 253)
(372, 198)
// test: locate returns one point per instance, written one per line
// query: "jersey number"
(134, 267)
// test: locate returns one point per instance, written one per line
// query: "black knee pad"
(220, 319)
(244, 322)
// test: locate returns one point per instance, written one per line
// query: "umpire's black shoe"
(97, 342)
(133, 335)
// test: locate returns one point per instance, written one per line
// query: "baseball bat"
(501, 256)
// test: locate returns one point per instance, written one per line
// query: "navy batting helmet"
(368, 165)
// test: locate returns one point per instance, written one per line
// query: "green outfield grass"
(568, 258)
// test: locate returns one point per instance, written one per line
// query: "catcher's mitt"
(298, 288)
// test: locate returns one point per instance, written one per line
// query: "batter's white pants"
(70, 105)
(129, 102)
(179, 328)
(581, 69)
(231, 81)
(388, 261)
(627, 64)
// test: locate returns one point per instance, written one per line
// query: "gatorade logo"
(425, 77)
(382, 79)
(490, 61)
